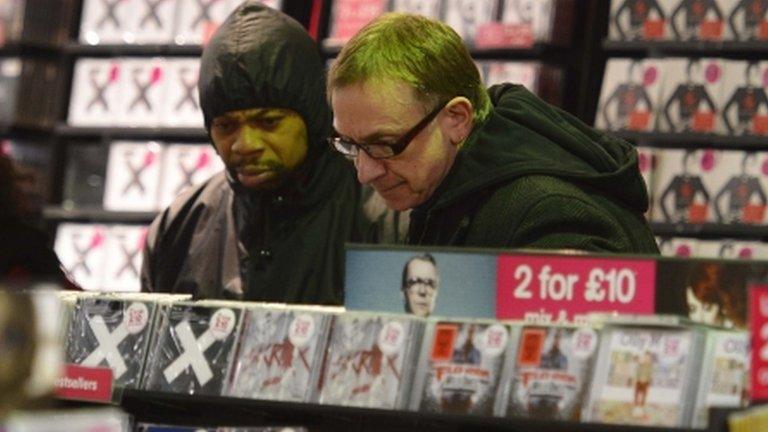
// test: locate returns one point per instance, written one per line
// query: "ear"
(458, 120)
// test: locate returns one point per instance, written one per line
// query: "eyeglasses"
(351, 148)
(411, 283)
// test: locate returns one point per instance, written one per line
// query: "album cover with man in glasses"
(420, 283)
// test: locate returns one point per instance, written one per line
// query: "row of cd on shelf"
(705, 185)
(163, 91)
(659, 370)
(155, 22)
(717, 249)
(480, 23)
(701, 95)
(686, 20)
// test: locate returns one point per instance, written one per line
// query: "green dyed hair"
(424, 53)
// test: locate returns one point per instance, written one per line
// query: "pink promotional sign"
(563, 288)
(352, 15)
(758, 324)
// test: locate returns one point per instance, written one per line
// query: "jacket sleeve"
(565, 222)
(149, 260)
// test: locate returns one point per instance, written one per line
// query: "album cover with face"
(349, 16)
(280, 354)
(629, 99)
(144, 92)
(113, 333)
(105, 21)
(699, 20)
(133, 176)
(460, 367)
(193, 349)
(691, 95)
(645, 376)
(151, 21)
(81, 248)
(182, 102)
(506, 24)
(725, 373)
(747, 20)
(552, 369)
(97, 92)
(745, 98)
(739, 187)
(639, 20)
(685, 185)
(678, 247)
(370, 360)
(429, 8)
(466, 17)
(198, 20)
(124, 246)
(184, 166)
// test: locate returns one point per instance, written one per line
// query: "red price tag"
(758, 322)
(85, 383)
(556, 288)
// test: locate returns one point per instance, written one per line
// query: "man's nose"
(249, 141)
(368, 168)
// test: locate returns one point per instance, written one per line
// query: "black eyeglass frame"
(351, 148)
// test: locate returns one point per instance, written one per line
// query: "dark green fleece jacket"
(534, 176)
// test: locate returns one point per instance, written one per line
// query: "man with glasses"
(420, 285)
(489, 168)
(272, 226)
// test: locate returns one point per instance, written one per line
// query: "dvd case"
(182, 102)
(193, 348)
(280, 354)
(97, 92)
(111, 332)
(184, 166)
(467, 16)
(370, 360)
(85, 170)
(747, 19)
(645, 374)
(738, 188)
(723, 373)
(82, 251)
(133, 176)
(552, 371)
(637, 20)
(144, 92)
(691, 95)
(151, 21)
(683, 187)
(349, 16)
(105, 21)
(428, 8)
(630, 96)
(745, 102)
(696, 20)
(460, 367)
(124, 246)
(197, 20)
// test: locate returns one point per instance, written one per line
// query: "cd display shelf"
(197, 410)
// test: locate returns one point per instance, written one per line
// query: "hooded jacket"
(221, 240)
(533, 176)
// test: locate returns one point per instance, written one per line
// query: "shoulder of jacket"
(206, 195)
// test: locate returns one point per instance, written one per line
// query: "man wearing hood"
(272, 226)
(495, 168)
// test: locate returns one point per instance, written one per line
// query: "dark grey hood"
(260, 57)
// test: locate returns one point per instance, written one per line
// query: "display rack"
(694, 140)
(711, 231)
(192, 134)
(198, 410)
(732, 49)
(83, 214)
